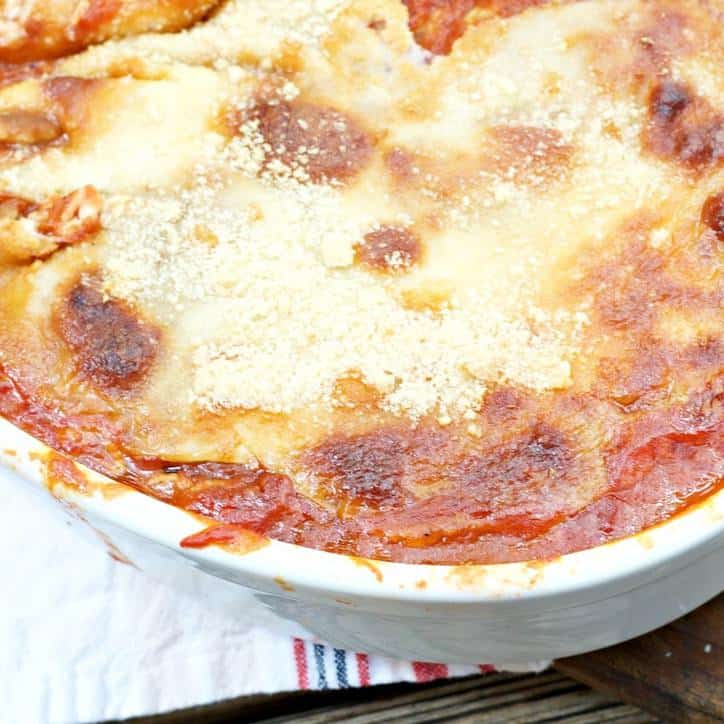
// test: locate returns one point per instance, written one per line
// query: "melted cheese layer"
(320, 250)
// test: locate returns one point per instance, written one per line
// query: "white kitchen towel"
(85, 638)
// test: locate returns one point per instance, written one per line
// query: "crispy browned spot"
(85, 437)
(656, 468)
(633, 305)
(529, 154)
(684, 127)
(321, 142)
(242, 495)
(631, 287)
(522, 486)
(389, 248)
(114, 349)
(642, 50)
(519, 488)
(712, 214)
(254, 498)
(378, 467)
(495, 487)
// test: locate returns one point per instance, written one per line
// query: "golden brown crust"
(315, 283)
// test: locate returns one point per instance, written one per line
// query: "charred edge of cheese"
(113, 347)
(684, 127)
(712, 215)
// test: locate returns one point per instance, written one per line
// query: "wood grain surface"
(487, 699)
(676, 672)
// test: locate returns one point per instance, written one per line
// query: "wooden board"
(487, 699)
(676, 672)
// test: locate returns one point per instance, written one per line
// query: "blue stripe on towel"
(340, 664)
(321, 670)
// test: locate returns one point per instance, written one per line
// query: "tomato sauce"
(96, 14)
(437, 24)
(503, 503)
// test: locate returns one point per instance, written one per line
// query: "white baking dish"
(511, 614)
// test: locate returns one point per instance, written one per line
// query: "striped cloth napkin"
(86, 638)
(317, 666)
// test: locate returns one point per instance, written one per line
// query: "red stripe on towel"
(486, 668)
(363, 669)
(300, 659)
(428, 672)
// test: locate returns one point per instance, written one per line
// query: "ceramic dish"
(428, 282)
(509, 613)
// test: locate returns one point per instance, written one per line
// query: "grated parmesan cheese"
(250, 267)
(283, 324)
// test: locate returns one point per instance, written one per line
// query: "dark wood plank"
(488, 699)
(677, 672)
